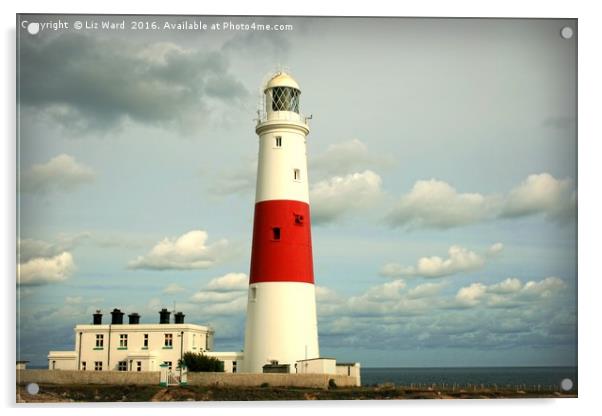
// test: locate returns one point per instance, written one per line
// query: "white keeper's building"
(138, 347)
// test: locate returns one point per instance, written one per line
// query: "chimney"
(97, 318)
(179, 318)
(116, 317)
(134, 318)
(164, 316)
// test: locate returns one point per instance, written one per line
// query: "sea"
(465, 376)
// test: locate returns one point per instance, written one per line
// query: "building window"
(100, 340)
(276, 233)
(83, 366)
(168, 340)
(97, 365)
(138, 365)
(145, 342)
(123, 340)
(278, 141)
(234, 366)
(168, 364)
(297, 174)
(122, 366)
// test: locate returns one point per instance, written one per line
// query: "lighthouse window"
(278, 141)
(297, 174)
(253, 294)
(285, 99)
(276, 233)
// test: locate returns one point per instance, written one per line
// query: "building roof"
(282, 79)
(143, 327)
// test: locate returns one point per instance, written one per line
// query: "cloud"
(459, 260)
(87, 82)
(339, 160)
(188, 251)
(44, 270)
(345, 158)
(398, 317)
(230, 281)
(436, 204)
(254, 43)
(29, 248)
(333, 198)
(471, 295)
(542, 193)
(61, 173)
(510, 292)
(173, 288)
(510, 285)
(425, 290)
(224, 295)
(239, 181)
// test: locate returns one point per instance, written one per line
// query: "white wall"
(195, 338)
(317, 366)
(281, 325)
(275, 166)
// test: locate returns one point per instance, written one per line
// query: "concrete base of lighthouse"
(283, 337)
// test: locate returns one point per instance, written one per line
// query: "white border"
(589, 189)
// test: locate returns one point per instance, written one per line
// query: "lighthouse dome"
(282, 79)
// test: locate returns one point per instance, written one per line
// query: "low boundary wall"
(194, 379)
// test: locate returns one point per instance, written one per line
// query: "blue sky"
(442, 159)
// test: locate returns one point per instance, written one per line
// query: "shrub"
(332, 384)
(264, 384)
(200, 362)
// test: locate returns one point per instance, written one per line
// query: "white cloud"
(510, 285)
(471, 295)
(542, 193)
(206, 296)
(173, 288)
(29, 248)
(495, 249)
(224, 295)
(459, 260)
(331, 199)
(230, 281)
(543, 288)
(424, 290)
(344, 158)
(45, 270)
(510, 292)
(188, 251)
(61, 173)
(436, 204)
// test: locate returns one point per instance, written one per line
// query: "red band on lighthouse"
(282, 243)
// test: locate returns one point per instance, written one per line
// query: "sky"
(442, 169)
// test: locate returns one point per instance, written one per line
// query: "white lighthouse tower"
(281, 311)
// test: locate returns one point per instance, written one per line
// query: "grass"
(121, 393)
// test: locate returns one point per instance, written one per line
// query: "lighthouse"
(281, 309)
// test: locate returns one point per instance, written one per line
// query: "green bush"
(200, 362)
